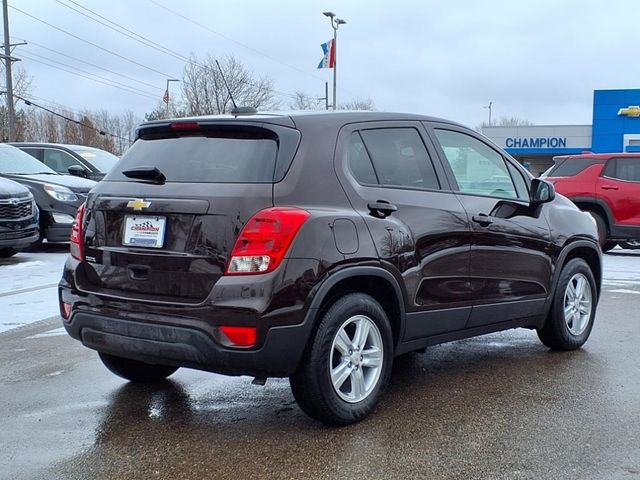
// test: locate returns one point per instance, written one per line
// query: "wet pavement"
(496, 407)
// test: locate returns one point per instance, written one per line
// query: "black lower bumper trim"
(189, 347)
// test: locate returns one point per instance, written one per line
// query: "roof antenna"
(236, 110)
(226, 85)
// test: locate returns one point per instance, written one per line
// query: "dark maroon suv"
(319, 247)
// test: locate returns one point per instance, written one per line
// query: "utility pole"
(8, 60)
(488, 107)
(166, 93)
(326, 96)
(335, 23)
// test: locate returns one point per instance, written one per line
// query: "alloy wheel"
(357, 354)
(578, 302)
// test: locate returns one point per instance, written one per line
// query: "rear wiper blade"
(147, 173)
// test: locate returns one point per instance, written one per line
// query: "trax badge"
(630, 111)
(138, 204)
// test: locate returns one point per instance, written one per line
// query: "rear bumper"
(188, 335)
(191, 347)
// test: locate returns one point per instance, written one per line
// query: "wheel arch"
(587, 251)
(595, 205)
(374, 281)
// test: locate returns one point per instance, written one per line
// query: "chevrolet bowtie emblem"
(630, 111)
(138, 204)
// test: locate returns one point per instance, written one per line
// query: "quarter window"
(398, 157)
(627, 169)
(359, 161)
(478, 169)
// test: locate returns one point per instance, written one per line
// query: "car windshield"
(103, 161)
(13, 160)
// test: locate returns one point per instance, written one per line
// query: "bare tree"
(358, 104)
(22, 85)
(205, 93)
(304, 101)
(506, 121)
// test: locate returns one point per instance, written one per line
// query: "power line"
(149, 43)
(77, 122)
(128, 87)
(31, 42)
(87, 77)
(124, 31)
(235, 41)
(91, 43)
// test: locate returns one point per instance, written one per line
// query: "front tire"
(573, 311)
(8, 252)
(135, 371)
(348, 362)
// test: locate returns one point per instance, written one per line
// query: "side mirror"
(78, 171)
(541, 191)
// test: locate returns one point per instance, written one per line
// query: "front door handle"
(609, 187)
(482, 219)
(381, 208)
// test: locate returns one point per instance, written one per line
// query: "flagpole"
(335, 61)
(335, 23)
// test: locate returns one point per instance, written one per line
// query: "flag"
(165, 99)
(329, 59)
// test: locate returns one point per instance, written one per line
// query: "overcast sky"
(539, 60)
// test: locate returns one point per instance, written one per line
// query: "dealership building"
(615, 128)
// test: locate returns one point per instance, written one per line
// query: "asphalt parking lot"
(496, 407)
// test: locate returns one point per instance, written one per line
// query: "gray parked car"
(78, 160)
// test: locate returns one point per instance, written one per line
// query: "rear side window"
(627, 169)
(216, 154)
(394, 157)
(571, 166)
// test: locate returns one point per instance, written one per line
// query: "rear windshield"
(219, 156)
(568, 167)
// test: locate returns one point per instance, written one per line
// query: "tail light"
(65, 310)
(239, 336)
(265, 239)
(77, 235)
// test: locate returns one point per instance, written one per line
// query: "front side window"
(398, 156)
(477, 168)
(627, 169)
(59, 161)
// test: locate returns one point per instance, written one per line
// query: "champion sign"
(540, 142)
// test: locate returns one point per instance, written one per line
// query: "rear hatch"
(167, 233)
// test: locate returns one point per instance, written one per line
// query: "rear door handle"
(381, 208)
(609, 187)
(482, 219)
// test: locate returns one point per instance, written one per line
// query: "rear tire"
(573, 310)
(347, 363)
(603, 232)
(135, 371)
(8, 252)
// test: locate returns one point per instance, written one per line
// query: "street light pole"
(335, 23)
(488, 107)
(167, 92)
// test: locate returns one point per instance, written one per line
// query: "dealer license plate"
(144, 231)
